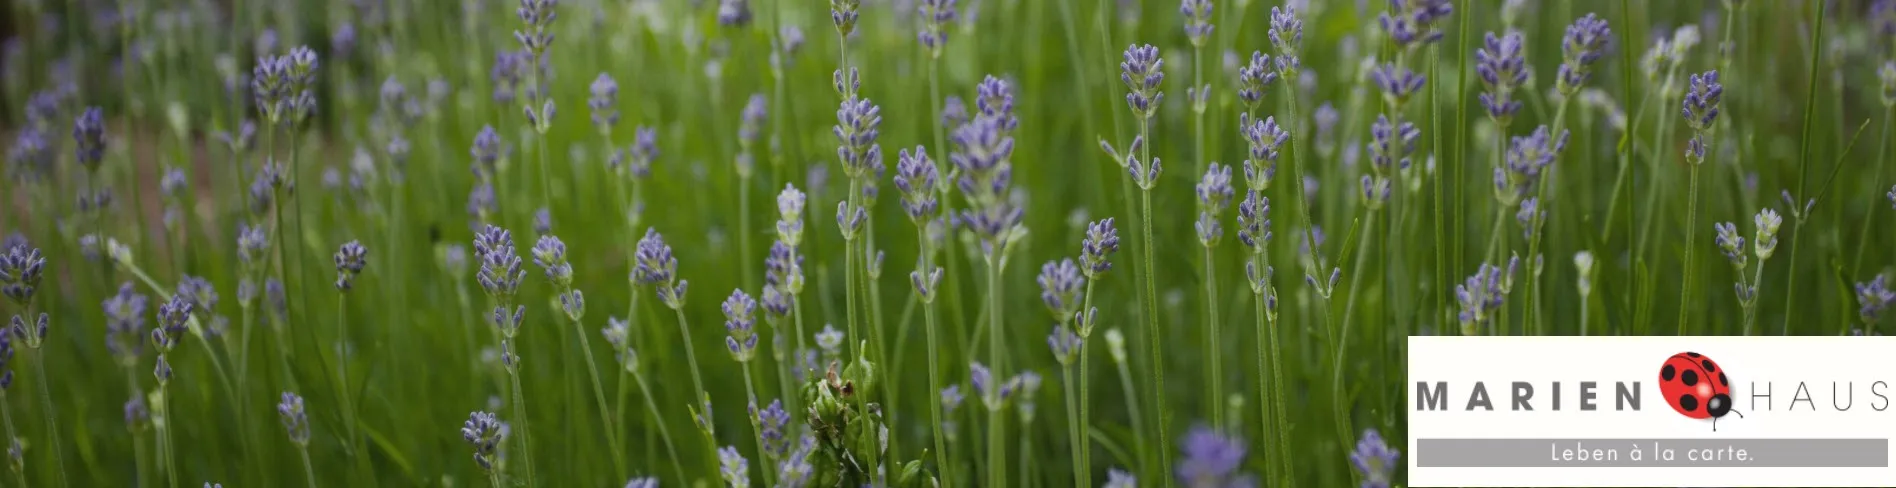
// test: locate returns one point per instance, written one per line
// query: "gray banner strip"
(1617, 453)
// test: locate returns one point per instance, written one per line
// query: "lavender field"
(907, 243)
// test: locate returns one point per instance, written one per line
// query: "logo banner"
(1651, 411)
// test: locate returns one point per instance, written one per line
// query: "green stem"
(1074, 438)
(1538, 220)
(520, 415)
(744, 230)
(1882, 164)
(1154, 341)
(52, 423)
(934, 364)
(750, 392)
(1132, 407)
(1691, 228)
(664, 433)
(849, 272)
(997, 471)
(309, 469)
(1803, 166)
(1215, 374)
(12, 435)
(164, 431)
(599, 395)
(691, 358)
(342, 383)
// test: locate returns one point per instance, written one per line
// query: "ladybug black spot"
(1693, 354)
(1689, 377)
(1689, 403)
(1718, 406)
(1709, 367)
(1666, 373)
(1723, 381)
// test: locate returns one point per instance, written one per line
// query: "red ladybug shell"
(1689, 380)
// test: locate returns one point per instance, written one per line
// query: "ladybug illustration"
(1696, 387)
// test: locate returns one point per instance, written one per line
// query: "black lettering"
(1427, 399)
(1627, 396)
(1755, 396)
(1522, 393)
(1587, 395)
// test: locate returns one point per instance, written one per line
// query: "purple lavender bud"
(604, 102)
(1214, 188)
(1529, 215)
(536, 16)
(783, 268)
(751, 122)
(1101, 241)
(1374, 459)
(1286, 31)
(88, 135)
(1892, 196)
(549, 253)
(734, 13)
(276, 297)
(951, 398)
(1265, 137)
(995, 100)
(21, 269)
(162, 371)
(739, 320)
(1409, 22)
(1064, 344)
(1883, 17)
(1254, 220)
(349, 262)
(936, 15)
(137, 415)
(1583, 45)
(1481, 294)
(1396, 82)
(1701, 101)
(1731, 243)
(172, 317)
(1212, 459)
(1117, 478)
(295, 419)
(1142, 71)
(1197, 15)
(343, 41)
(733, 467)
(1254, 78)
(915, 176)
(1872, 297)
(858, 123)
(983, 384)
(487, 149)
(124, 321)
(843, 15)
(500, 272)
(1060, 286)
(31, 156)
(774, 422)
(644, 152)
(1502, 68)
(1526, 158)
(954, 112)
(509, 68)
(199, 292)
(484, 433)
(1391, 144)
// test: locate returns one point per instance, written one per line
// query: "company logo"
(1696, 387)
(1651, 411)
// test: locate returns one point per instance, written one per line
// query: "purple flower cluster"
(1701, 111)
(1414, 22)
(1142, 72)
(739, 322)
(1212, 459)
(657, 267)
(500, 272)
(1197, 15)
(604, 102)
(294, 417)
(1583, 45)
(1214, 194)
(484, 433)
(350, 260)
(917, 178)
(1101, 241)
(284, 85)
(1503, 69)
(1482, 293)
(733, 467)
(1254, 78)
(986, 145)
(936, 15)
(1374, 459)
(1872, 297)
(1526, 158)
(21, 269)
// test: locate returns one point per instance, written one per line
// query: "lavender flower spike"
(1265, 137)
(1197, 15)
(1101, 241)
(350, 260)
(1502, 69)
(857, 125)
(1583, 46)
(484, 433)
(1254, 78)
(1142, 71)
(1254, 220)
(1732, 244)
(88, 135)
(1872, 297)
(936, 15)
(733, 467)
(1212, 459)
(1374, 459)
(21, 269)
(916, 176)
(1701, 111)
(500, 272)
(295, 418)
(657, 267)
(604, 102)
(739, 322)
(1411, 23)
(1061, 283)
